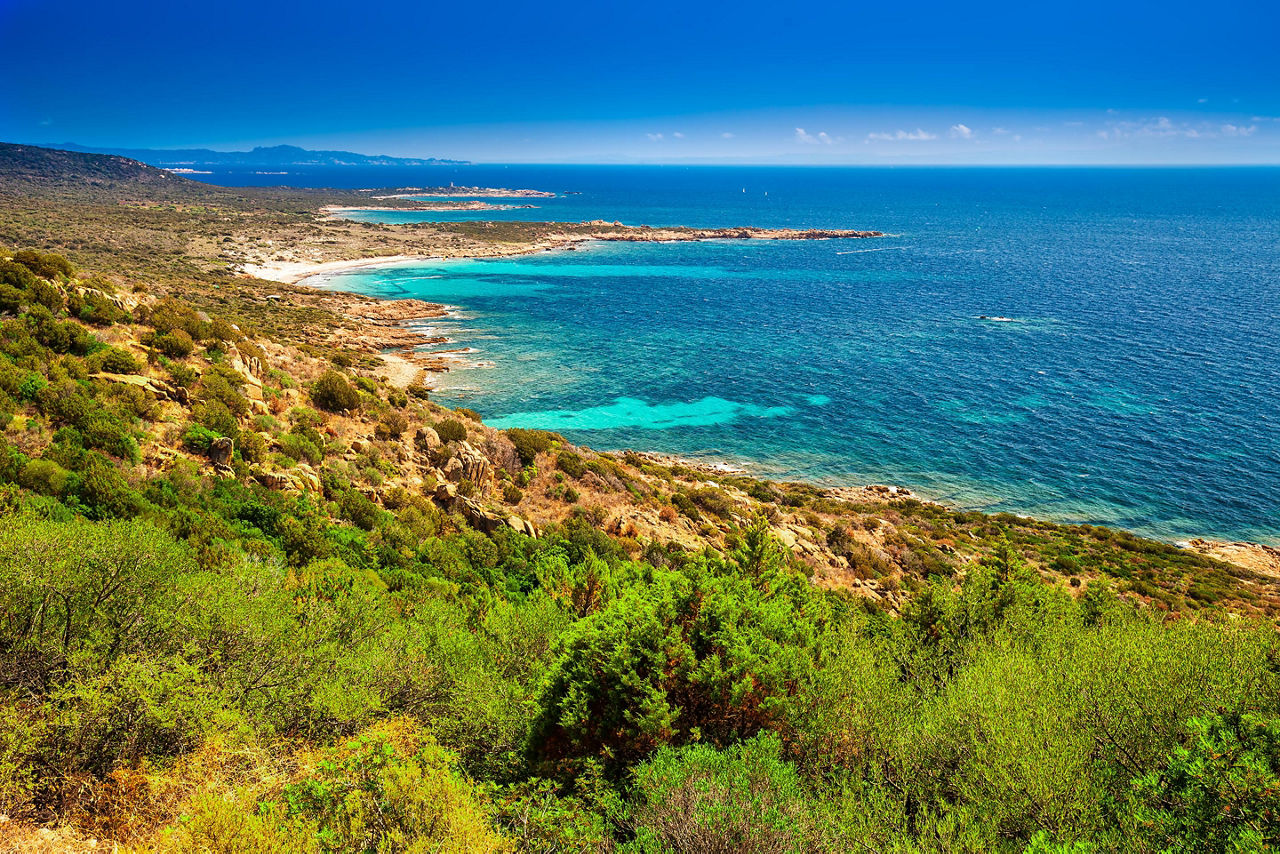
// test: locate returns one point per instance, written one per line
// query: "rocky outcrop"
(467, 463)
(161, 389)
(278, 481)
(477, 515)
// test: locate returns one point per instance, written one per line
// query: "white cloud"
(959, 131)
(726, 135)
(903, 136)
(678, 135)
(654, 137)
(1164, 127)
(1000, 131)
(1202, 100)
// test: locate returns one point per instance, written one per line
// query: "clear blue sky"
(818, 82)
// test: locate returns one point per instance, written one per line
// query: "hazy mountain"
(276, 155)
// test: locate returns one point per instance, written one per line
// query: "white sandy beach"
(293, 272)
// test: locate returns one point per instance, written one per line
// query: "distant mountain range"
(275, 155)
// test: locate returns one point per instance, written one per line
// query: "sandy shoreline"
(293, 272)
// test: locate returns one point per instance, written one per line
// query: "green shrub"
(299, 448)
(107, 432)
(333, 393)
(451, 430)
(197, 438)
(45, 477)
(114, 360)
(30, 387)
(17, 276)
(359, 510)
(46, 265)
(104, 492)
(530, 443)
(686, 507)
(177, 344)
(11, 299)
(745, 798)
(392, 426)
(215, 415)
(571, 464)
(511, 494)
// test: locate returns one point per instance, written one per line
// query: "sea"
(1086, 345)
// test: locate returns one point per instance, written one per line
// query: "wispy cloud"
(1164, 127)
(820, 138)
(916, 135)
(654, 137)
(959, 131)
(678, 135)
(1236, 130)
(727, 135)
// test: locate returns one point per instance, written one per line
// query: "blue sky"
(923, 82)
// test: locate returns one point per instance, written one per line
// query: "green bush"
(299, 449)
(571, 464)
(45, 265)
(530, 443)
(177, 344)
(745, 798)
(45, 477)
(451, 430)
(113, 360)
(333, 393)
(197, 438)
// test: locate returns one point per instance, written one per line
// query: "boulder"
(359, 446)
(275, 480)
(223, 470)
(522, 526)
(426, 440)
(220, 451)
(306, 476)
(453, 470)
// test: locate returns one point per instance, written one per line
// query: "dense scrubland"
(334, 632)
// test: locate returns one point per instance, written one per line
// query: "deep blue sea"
(1135, 383)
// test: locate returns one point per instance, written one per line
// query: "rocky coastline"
(387, 328)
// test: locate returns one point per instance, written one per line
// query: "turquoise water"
(1137, 382)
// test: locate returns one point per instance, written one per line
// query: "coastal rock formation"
(475, 467)
(1257, 557)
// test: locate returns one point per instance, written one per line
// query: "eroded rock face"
(275, 480)
(475, 467)
(161, 389)
(220, 451)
